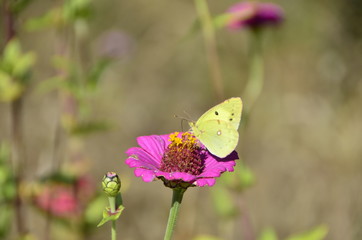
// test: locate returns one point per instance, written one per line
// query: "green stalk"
(255, 82)
(210, 45)
(176, 202)
(16, 131)
(112, 205)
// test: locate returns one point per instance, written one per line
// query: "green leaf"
(107, 216)
(15, 63)
(76, 9)
(9, 190)
(268, 234)
(24, 64)
(5, 220)
(9, 89)
(11, 55)
(53, 18)
(119, 201)
(317, 233)
(96, 73)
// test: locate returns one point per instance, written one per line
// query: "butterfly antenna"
(182, 121)
(188, 116)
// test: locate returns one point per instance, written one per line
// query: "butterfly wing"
(219, 137)
(228, 111)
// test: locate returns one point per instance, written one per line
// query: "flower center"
(184, 154)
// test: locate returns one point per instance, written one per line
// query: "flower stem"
(176, 202)
(255, 82)
(112, 205)
(16, 131)
(210, 45)
(114, 232)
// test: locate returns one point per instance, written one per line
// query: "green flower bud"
(111, 184)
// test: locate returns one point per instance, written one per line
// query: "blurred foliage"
(70, 79)
(229, 184)
(77, 82)
(351, 18)
(268, 234)
(7, 191)
(92, 214)
(241, 179)
(223, 202)
(16, 6)
(15, 69)
(318, 233)
(28, 236)
(206, 237)
(64, 15)
(80, 87)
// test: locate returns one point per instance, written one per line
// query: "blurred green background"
(304, 133)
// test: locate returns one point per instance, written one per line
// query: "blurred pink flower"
(58, 200)
(178, 159)
(85, 188)
(254, 15)
(64, 199)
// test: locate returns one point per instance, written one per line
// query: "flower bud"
(111, 184)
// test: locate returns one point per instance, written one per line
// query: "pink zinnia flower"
(254, 15)
(178, 159)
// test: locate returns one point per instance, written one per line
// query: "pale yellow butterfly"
(217, 128)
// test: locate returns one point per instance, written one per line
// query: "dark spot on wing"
(230, 119)
(232, 114)
(216, 113)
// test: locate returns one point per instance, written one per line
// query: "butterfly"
(217, 128)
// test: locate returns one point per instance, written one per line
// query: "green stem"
(176, 202)
(114, 232)
(210, 45)
(18, 160)
(255, 82)
(16, 131)
(112, 205)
